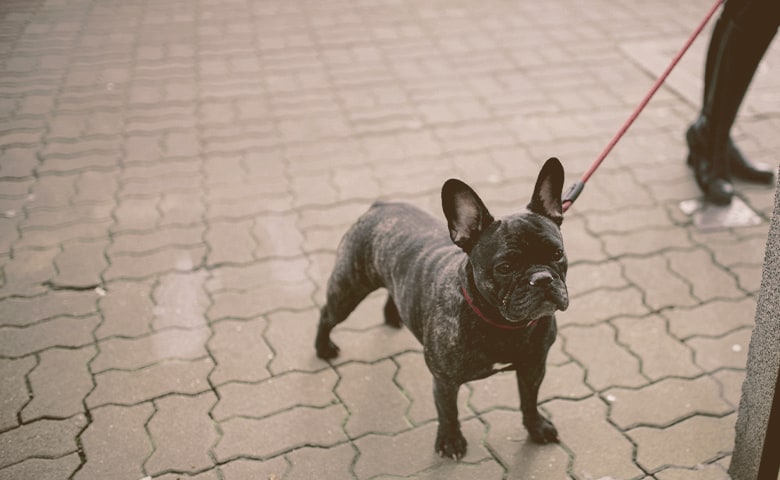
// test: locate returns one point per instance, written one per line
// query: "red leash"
(574, 191)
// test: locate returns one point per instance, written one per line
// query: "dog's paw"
(542, 430)
(327, 350)
(451, 444)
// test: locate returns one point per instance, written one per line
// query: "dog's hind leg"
(347, 287)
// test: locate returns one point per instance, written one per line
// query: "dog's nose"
(540, 279)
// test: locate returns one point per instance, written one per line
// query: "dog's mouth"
(530, 306)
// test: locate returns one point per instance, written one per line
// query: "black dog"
(485, 307)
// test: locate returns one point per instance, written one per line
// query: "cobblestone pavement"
(175, 177)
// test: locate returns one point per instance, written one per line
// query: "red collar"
(489, 321)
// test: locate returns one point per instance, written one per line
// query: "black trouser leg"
(740, 39)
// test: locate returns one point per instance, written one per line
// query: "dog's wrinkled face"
(519, 266)
(518, 262)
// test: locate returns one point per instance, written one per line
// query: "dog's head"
(518, 261)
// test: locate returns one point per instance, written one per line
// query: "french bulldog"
(480, 300)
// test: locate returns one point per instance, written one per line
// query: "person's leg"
(740, 39)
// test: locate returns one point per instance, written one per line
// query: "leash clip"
(572, 193)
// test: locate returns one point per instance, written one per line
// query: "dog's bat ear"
(546, 199)
(467, 216)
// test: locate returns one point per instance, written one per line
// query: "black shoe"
(743, 169)
(739, 166)
(716, 186)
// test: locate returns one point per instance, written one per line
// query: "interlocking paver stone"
(18, 162)
(486, 469)
(306, 190)
(283, 432)
(712, 318)
(42, 469)
(263, 300)
(182, 208)
(500, 391)
(159, 188)
(356, 379)
(645, 242)
(295, 332)
(276, 394)
(149, 241)
(242, 468)
(150, 171)
(665, 402)
(509, 439)
(167, 260)
(708, 280)
(44, 438)
(731, 384)
(583, 429)
(374, 344)
(96, 187)
(699, 472)
(47, 237)
(277, 236)
(240, 351)
(8, 227)
(80, 264)
(180, 300)
(748, 278)
(564, 381)
(13, 384)
(729, 350)
(207, 475)
(598, 305)
(182, 433)
(18, 189)
(127, 309)
(56, 332)
(59, 383)
(48, 218)
(743, 252)
(53, 191)
(230, 242)
(114, 426)
(359, 182)
(236, 202)
(244, 292)
(307, 463)
(28, 270)
(415, 447)
(661, 355)
(628, 220)
(688, 443)
(661, 287)
(609, 365)
(584, 277)
(130, 387)
(136, 214)
(21, 311)
(140, 352)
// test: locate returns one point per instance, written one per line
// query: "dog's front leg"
(539, 428)
(449, 439)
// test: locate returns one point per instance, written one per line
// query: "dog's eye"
(503, 268)
(557, 255)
